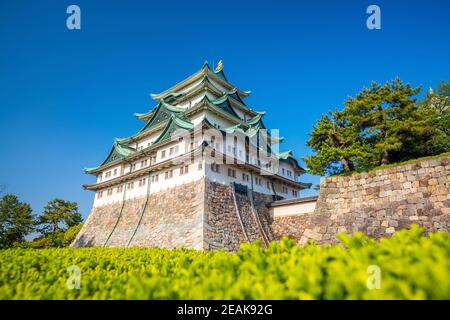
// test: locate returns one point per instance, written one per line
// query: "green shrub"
(71, 234)
(412, 267)
(58, 239)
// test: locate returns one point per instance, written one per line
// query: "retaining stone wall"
(377, 203)
(172, 218)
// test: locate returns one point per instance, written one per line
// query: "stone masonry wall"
(377, 203)
(98, 226)
(172, 218)
(199, 215)
(222, 227)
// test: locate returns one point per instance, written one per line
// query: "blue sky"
(64, 95)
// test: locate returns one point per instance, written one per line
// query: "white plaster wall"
(162, 184)
(287, 166)
(112, 176)
(144, 143)
(293, 209)
(222, 177)
(214, 119)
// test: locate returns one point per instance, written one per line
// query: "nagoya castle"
(199, 174)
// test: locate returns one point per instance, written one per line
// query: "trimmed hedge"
(413, 266)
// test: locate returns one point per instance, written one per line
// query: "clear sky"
(64, 95)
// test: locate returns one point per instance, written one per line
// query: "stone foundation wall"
(170, 218)
(173, 218)
(98, 226)
(377, 203)
(199, 215)
(222, 226)
(261, 201)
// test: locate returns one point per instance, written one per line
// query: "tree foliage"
(16, 221)
(382, 124)
(436, 106)
(338, 145)
(59, 215)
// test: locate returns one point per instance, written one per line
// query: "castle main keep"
(198, 174)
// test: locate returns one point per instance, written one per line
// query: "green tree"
(59, 215)
(436, 107)
(16, 221)
(387, 116)
(337, 144)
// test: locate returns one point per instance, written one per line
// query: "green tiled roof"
(162, 113)
(118, 151)
(287, 155)
(224, 104)
(171, 96)
(175, 123)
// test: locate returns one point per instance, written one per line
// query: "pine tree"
(338, 146)
(436, 108)
(59, 215)
(387, 117)
(16, 221)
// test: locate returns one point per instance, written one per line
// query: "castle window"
(169, 174)
(115, 172)
(170, 151)
(245, 177)
(215, 167)
(142, 182)
(258, 181)
(163, 154)
(109, 192)
(130, 185)
(133, 167)
(282, 170)
(119, 189)
(284, 190)
(100, 194)
(184, 170)
(231, 173)
(294, 193)
(155, 178)
(289, 173)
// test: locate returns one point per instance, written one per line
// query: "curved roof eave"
(204, 70)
